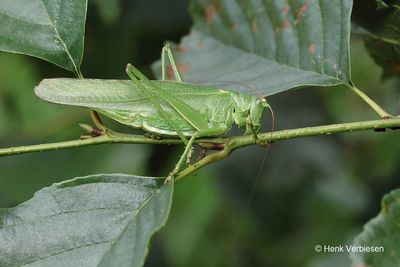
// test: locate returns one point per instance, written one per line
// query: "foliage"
(43, 29)
(383, 35)
(273, 46)
(99, 220)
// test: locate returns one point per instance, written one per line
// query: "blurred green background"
(318, 190)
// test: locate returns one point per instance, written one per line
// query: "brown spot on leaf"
(234, 27)
(285, 24)
(311, 48)
(301, 11)
(183, 69)
(395, 66)
(181, 48)
(285, 10)
(209, 13)
(254, 25)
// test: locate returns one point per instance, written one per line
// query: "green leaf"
(98, 220)
(381, 231)
(383, 43)
(386, 53)
(270, 45)
(50, 30)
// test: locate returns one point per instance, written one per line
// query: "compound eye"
(260, 101)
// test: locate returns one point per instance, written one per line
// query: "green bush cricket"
(162, 108)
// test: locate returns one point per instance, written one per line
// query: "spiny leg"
(167, 51)
(250, 126)
(205, 132)
(255, 135)
(181, 160)
(189, 115)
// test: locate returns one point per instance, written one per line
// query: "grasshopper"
(162, 108)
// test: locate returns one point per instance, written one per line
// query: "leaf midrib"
(59, 37)
(129, 218)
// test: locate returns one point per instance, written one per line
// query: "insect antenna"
(261, 167)
(260, 170)
(255, 184)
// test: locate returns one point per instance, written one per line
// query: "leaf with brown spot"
(311, 48)
(285, 10)
(181, 49)
(234, 27)
(260, 44)
(285, 24)
(209, 13)
(301, 11)
(254, 25)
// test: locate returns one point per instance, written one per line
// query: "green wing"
(122, 101)
(187, 112)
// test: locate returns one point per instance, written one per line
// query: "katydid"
(162, 108)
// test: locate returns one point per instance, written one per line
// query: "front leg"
(250, 128)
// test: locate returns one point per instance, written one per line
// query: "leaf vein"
(59, 37)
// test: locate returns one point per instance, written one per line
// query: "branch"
(241, 141)
(108, 138)
(230, 144)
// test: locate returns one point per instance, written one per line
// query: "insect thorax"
(248, 111)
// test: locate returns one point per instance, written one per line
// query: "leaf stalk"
(381, 112)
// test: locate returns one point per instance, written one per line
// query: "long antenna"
(257, 180)
(260, 168)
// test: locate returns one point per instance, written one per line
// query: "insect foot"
(189, 156)
(153, 136)
(93, 131)
(83, 137)
(202, 154)
(169, 178)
